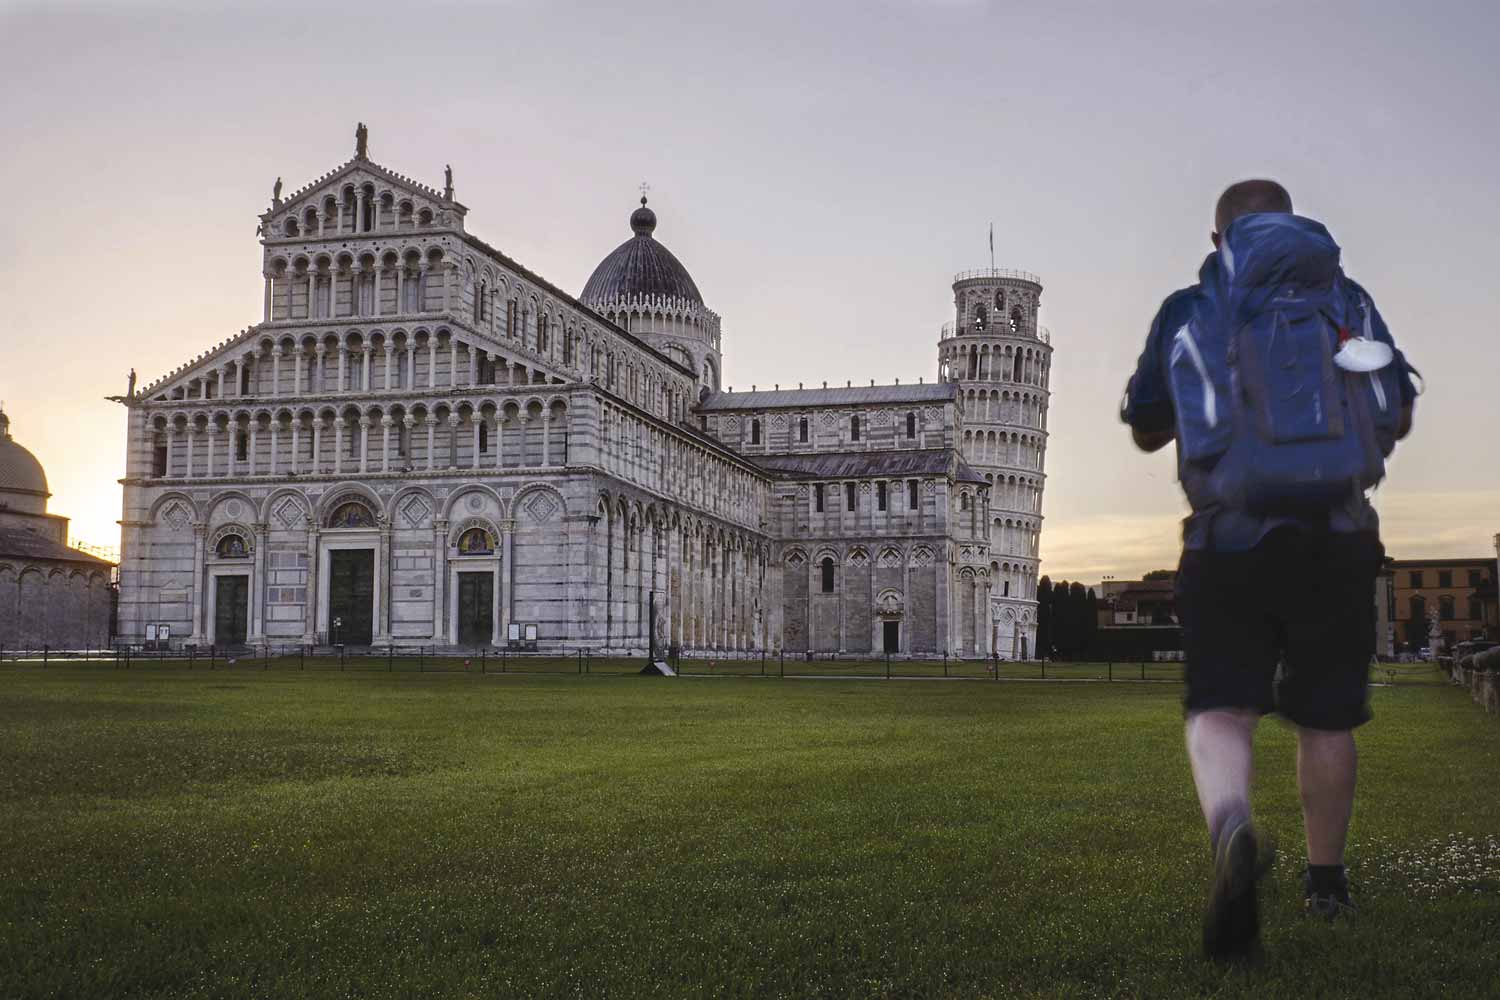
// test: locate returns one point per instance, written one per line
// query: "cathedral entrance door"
(231, 609)
(476, 607)
(892, 636)
(351, 596)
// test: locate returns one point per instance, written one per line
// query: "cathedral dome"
(640, 266)
(20, 472)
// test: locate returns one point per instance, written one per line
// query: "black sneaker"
(1333, 905)
(1231, 928)
(1330, 907)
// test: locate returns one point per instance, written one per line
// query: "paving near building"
(279, 833)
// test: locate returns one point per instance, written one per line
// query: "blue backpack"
(1266, 421)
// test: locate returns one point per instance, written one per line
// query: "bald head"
(1248, 197)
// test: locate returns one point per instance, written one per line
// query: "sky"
(822, 169)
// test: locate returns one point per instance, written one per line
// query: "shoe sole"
(1231, 928)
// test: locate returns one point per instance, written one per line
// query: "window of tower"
(241, 446)
(911, 494)
(802, 429)
(1000, 301)
(484, 438)
(848, 496)
(827, 575)
(818, 498)
(981, 318)
(1015, 318)
(911, 425)
(755, 432)
(854, 428)
(880, 498)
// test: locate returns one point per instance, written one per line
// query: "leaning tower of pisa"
(1002, 361)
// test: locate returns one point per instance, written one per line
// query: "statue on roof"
(130, 391)
(361, 141)
(276, 192)
(448, 182)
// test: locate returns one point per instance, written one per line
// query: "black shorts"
(1302, 601)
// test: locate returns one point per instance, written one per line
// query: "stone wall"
(57, 604)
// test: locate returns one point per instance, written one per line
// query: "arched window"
(1000, 301)
(484, 438)
(351, 514)
(231, 547)
(476, 542)
(755, 432)
(827, 575)
(1015, 318)
(854, 428)
(911, 425)
(1445, 608)
(964, 501)
(981, 318)
(1015, 374)
(802, 429)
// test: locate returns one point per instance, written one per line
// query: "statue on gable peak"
(361, 141)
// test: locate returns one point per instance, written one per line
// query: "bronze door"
(892, 637)
(351, 596)
(231, 609)
(476, 607)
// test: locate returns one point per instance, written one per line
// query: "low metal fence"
(584, 661)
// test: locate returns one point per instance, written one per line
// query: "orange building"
(1460, 591)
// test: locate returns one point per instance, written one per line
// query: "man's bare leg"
(1326, 767)
(1220, 744)
(1221, 748)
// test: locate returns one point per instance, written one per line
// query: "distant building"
(50, 594)
(1460, 591)
(1137, 603)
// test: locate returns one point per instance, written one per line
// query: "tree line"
(1067, 619)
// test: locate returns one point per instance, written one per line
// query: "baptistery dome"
(641, 266)
(23, 483)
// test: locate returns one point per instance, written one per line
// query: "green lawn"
(244, 833)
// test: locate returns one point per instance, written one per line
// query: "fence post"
(44, 654)
(945, 663)
(887, 665)
(421, 663)
(504, 657)
(1044, 668)
(781, 663)
(265, 652)
(483, 655)
(1111, 670)
(1143, 670)
(763, 663)
(301, 657)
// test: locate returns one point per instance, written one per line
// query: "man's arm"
(1147, 406)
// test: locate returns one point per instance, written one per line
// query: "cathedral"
(422, 442)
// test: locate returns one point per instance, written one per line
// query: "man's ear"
(1214, 239)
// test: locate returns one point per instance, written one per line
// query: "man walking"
(1283, 389)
